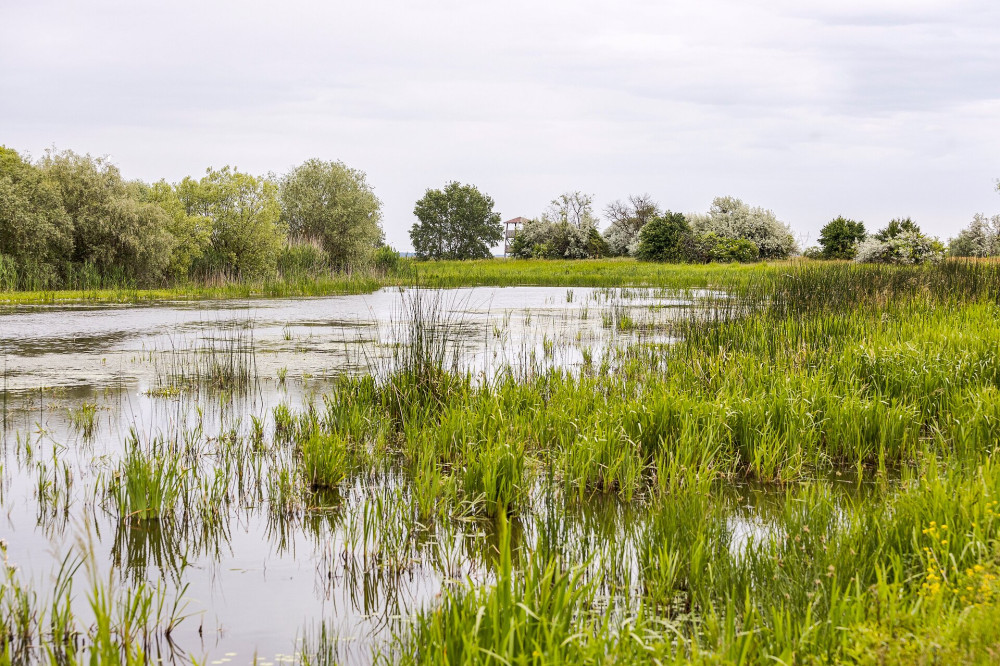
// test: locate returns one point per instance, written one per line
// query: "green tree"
(247, 233)
(192, 233)
(839, 236)
(457, 222)
(333, 204)
(597, 247)
(36, 233)
(113, 230)
(896, 227)
(664, 238)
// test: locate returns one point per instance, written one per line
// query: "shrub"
(724, 249)
(541, 239)
(302, 258)
(980, 239)
(665, 238)
(597, 247)
(839, 236)
(731, 218)
(907, 247)
(385, 259)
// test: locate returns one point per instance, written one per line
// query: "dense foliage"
(457, 222)
(566, 230)
(71, 220)
(332, 204)
(980, 239)
(665, 237)
(627, 220)
(839, 238)
(730, 217)
(900, 242)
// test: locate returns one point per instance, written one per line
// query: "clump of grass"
(123, 625)
(84, 419)
(325, 460)
(148, 484)
(224, 360)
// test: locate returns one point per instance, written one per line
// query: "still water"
(254, 581)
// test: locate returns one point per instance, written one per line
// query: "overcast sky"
(866, 108)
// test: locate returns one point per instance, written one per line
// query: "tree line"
(458, 222)
(71, 220)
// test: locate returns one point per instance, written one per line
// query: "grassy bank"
(443, 274)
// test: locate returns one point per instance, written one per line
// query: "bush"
(907, 247)
(839, 236)
(302, 259)
(980, 239)
(665, 238)
(597, 247)
(541, 239)
(731, 218)
(386, 260)
(723, 249)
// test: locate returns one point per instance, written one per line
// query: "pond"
(82, 382)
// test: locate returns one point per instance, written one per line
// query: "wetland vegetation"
(791, 463)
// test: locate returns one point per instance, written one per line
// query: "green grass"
(439, 274)
(889, 378)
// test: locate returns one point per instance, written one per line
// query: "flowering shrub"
(980, 239)
(731, 218)
(909, 247)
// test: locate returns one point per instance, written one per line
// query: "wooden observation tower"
(511, 227)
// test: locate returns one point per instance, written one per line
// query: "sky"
(870, 109)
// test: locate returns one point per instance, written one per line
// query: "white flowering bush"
(980, 239)
(542, 239)
(622, 240)
(909, 247)
(730, 217)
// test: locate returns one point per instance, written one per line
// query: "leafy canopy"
(333, 204)
(730, 217)
(839, 236)
(457, 222)
(664, 238)
(247, 234)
